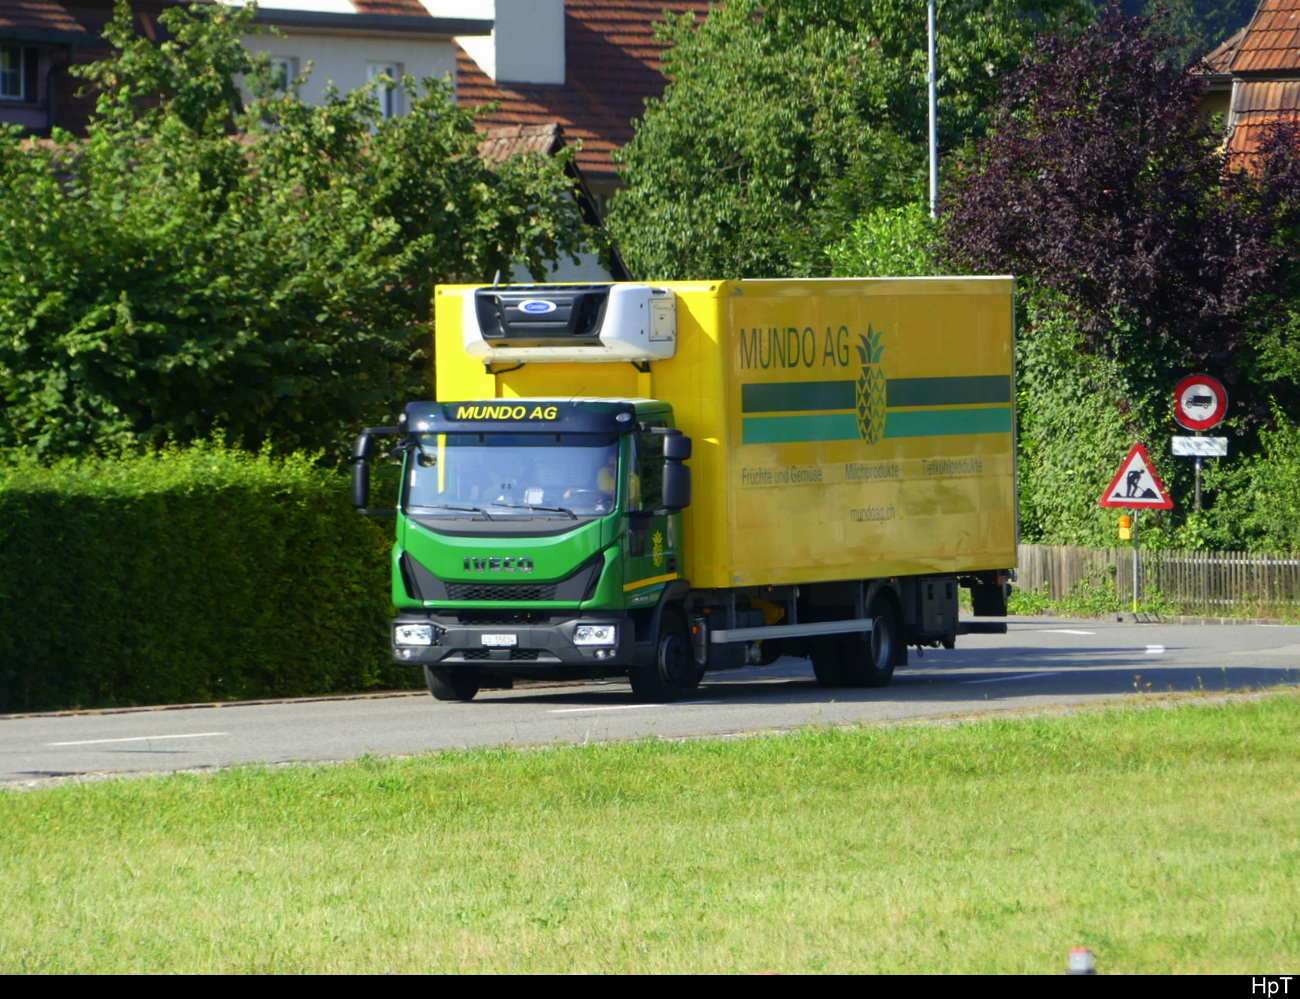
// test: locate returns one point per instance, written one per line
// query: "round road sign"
(1200, 402)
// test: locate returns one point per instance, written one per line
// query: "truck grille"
(516, 655)
(500, 591)
(503, 616)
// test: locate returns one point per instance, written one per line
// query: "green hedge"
(196, 574)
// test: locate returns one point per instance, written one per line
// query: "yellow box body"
(843, 428)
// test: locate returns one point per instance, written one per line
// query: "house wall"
(343, 59)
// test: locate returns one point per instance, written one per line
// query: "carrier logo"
(509, 563)
(536, 307)
(507, 412)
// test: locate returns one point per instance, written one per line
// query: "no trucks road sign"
(1200, 402)
(1136, 485)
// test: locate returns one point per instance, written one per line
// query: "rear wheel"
(862, 660)
(828, 663)
(452, 684)
(673, 669)
(869, 659)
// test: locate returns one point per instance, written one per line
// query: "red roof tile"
(1272, 39)
(612, 66)
(37, 15)
(1258, 105)
(503, 141)
(1220, 59)
(401, 8)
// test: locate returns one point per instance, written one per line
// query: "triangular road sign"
(1136, 484)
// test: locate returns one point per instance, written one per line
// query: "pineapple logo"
(870, 393)
(657, 548)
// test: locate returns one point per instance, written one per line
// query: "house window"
(387, 94)
(15, 72)
(283, 72)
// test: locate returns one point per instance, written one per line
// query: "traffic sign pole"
(1200, 402)
(1135, 561)
(1198, 481)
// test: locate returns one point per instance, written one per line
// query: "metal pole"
(1198, 479)
(934, 132)
(1135, 561)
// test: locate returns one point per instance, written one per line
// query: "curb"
(1127, 617)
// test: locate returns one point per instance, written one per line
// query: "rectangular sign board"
(1200, 447)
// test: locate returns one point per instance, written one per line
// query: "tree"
(1194, 26)
(1102, 181)
(788, 119)
(1103, 188)
(887, 242)
(195, 265)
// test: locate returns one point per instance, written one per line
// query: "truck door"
(652, 550)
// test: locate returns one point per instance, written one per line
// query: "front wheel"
(452, 684)
(673, 670)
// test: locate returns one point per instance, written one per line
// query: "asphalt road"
(1041, 662)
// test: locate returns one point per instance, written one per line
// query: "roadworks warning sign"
(1136, 484)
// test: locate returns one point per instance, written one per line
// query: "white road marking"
(1154, 650)
(1018, 676)
(625, 707)
(139, 738)
(1064, 631)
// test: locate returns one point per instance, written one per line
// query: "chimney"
(527, 40)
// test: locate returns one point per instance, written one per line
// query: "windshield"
(511, 476)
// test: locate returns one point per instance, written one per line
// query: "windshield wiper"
(544, 509)
(458, 509)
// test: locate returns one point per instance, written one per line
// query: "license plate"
(500, 641)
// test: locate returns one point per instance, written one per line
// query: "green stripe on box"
(898, 423)
(795, 397)
(971, 391)
(947, 422)
(794, 429)
(811, 397)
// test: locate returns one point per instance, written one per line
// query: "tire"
(452, 684)
(673, 670)
(828, 663)
(869, 659)
(865, 660)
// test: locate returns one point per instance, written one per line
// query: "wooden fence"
(1188, 582)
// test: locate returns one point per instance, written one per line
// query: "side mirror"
(361, 451)
(677, 485)
(360, 484)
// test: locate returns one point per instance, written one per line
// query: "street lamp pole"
(934, 133)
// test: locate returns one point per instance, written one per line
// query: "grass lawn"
(1163, 838)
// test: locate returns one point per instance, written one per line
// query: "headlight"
(412, 634)
(595, 634)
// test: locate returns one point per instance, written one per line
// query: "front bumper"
(536, 644)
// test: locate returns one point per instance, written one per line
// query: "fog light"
(403, 653)
(595, 634)
(412, 634)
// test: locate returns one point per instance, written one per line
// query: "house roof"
(503, 141)
(612, 66)
(38, 20)
(1261, 64)
(1220, 59)
(1271, 42)
(1257, 105)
